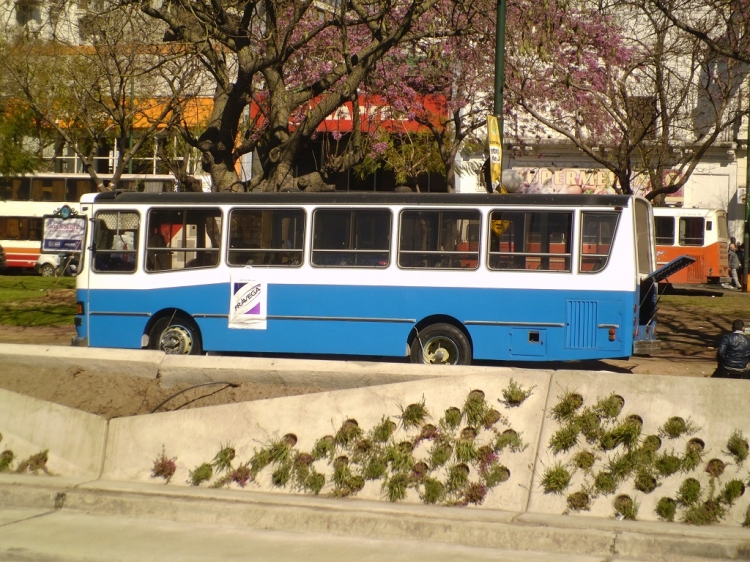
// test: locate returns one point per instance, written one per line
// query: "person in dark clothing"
(734, 352)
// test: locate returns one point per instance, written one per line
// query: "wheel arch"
(171, 313)
(439, 319)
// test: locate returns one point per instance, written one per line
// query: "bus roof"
(687, 212)
(359, 198)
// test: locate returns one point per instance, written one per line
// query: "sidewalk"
(59, 519)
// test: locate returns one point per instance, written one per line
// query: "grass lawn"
(27, 300)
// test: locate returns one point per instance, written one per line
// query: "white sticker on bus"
(247, 305)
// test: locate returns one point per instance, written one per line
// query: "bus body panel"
(522, 315)
(374, 320)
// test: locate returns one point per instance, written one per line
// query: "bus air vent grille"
(581, 324)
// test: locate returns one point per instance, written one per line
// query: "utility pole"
(495, 121)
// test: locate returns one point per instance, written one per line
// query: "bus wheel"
(175, 337)
(441, 344)
(48, 270)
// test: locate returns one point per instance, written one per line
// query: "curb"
(352, 517)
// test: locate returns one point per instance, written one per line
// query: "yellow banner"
(496, 153)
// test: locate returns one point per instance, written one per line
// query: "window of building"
(266, 237)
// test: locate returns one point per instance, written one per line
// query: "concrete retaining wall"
(712, 410)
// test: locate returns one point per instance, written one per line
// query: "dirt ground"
(688, 349)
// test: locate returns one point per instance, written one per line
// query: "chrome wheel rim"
(176, 340)
(440, 350)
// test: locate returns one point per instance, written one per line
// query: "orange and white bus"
(26, 199)
(699, 233)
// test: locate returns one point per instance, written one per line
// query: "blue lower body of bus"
(501, 324)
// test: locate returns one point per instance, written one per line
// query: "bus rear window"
(439, 239)
(597, 234)
(115, 241)
(266, 237)
(691, 231)
(351, 238)
(530, 240)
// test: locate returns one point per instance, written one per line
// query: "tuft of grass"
(584, 460)
(609, 407)
(651, 443)
(164, 467)
(514, 394)
(568, 405)
(241, 475)
(491, 417)
(693, 456)
(440, 453)
(223, 460)
(6, 459)
(475, 492)
(433, 491)
(564, 438)
(731, 492)
(475, 408)
(715, 467)
(458, 477)
(510, 439)
(414, 415)
(705, 513)
(676, 426)
(452, 417)
(625, 433)
(494, 474)
(626, 507)
(375, 468)
(201, 474)
(666, 509)
(384, 430)
(623, 465)
(465, 450)
(689, 492)
(395, 487)
(283, 474)
(668, 464)
(399, 457)
(314, 482)
(324, 447)
(590, 424)
(645, 482)
(348, 433)
(579, 501)
(737, 447)
(556, 479)
(605, 483)
(35, 463)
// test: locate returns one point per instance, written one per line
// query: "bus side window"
(521, 240)
(691, 231)
(597, 234)
(115, 241)
(183, 238)
(439, 239)
(266, 237)
(351, 238)
(664, 231)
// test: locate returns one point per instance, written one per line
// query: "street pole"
(499, 64)
(746, 239)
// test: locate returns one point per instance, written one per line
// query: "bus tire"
(175, 336)
(441, 344)
(47, 270)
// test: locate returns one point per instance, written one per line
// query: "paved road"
(36, 535)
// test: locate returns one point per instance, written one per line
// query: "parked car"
(48, 265)
(3, 261)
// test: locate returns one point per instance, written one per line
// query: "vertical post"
(132, 124)
(746, 238)
(499, 64)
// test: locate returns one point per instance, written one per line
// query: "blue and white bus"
(437, 278)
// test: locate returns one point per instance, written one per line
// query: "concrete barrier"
(75, 440)
(712, 411)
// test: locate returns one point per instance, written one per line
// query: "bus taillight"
(79, 308)
(612, 334)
